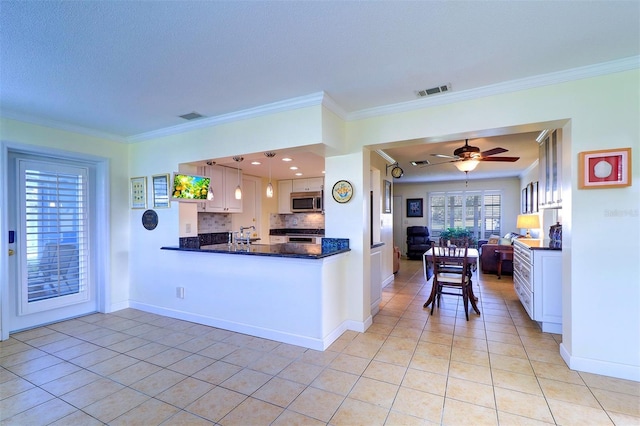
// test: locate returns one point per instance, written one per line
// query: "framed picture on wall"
(160, 185)
(386, 208)
(605, 168)
(524, 201)
(138, 192)
(414, 207)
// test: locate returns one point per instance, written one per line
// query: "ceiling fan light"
(466, 165)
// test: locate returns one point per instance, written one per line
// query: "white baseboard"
(604, 368)
(278, 336)
(117, 307)
(388, 280)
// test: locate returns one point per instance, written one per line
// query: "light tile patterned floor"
(409, 368)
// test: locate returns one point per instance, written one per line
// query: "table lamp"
(528, 221)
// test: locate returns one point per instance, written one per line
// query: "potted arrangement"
(457, 234)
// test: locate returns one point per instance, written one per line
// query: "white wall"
(30, 136)
(594, 113)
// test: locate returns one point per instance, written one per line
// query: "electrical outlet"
(180, 292)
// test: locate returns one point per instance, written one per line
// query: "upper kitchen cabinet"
(284, 196)
(224, 181)
(550, 195)
(308, 185)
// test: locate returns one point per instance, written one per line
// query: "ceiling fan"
(467, 157)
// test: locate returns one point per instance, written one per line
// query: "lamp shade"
(528, 221)
(466, 165)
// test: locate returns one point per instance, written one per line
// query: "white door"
(50, 276)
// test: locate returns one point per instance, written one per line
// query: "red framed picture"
(607, 168)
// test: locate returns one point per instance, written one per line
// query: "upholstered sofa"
(489, 257)
(417, 241)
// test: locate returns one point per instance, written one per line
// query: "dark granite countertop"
(291, 250)
(297, 231)
(535, 244)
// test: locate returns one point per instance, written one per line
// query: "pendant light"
(270, 155)
(210, 191)
(238, 193)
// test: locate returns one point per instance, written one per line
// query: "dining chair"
(450, 275)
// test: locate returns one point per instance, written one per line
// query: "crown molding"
(579, 73)
(12, 115)
(272, 108)
(321, 98)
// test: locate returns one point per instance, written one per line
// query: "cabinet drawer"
(526, 298)
(523, 253)
(522, 273)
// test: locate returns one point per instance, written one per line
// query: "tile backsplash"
(296, 220)
(214, 222)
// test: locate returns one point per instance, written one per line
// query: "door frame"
(100, 234)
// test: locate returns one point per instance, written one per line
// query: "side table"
(503, 254)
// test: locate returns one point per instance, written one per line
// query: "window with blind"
(54, 226)
(476, 211)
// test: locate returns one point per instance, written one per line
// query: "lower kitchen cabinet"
(537, 279)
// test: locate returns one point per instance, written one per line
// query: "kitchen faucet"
(241, 238)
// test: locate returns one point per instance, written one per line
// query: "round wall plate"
(150, 220)
(342, 191)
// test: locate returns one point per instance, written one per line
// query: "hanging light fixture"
(238, 193)
(270, 155)
(210, 191)
(466, 165)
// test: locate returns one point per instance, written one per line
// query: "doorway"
(54, 206)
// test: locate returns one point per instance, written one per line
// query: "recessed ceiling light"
(323, 172)
(298, 174)
(256, 163)
(287, 159)
(293, 168)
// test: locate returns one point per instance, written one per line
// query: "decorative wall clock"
(342, 191)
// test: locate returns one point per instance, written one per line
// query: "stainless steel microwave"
(305, 202)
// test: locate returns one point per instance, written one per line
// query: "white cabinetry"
(537, 279)
(224, 181)
(308, 185)
(550, 181)
(284, 196)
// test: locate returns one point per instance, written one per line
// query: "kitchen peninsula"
(291, 293)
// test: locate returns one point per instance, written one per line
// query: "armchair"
(417, 241)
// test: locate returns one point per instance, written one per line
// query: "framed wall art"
(160, 186)
(387, 197)
(138, 192)
(606, 168)
(414, 207)
(525, 200)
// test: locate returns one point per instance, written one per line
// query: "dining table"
(472, 262)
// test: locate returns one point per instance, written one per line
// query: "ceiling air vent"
(434, 90)
(420, 163)
(191, 116)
